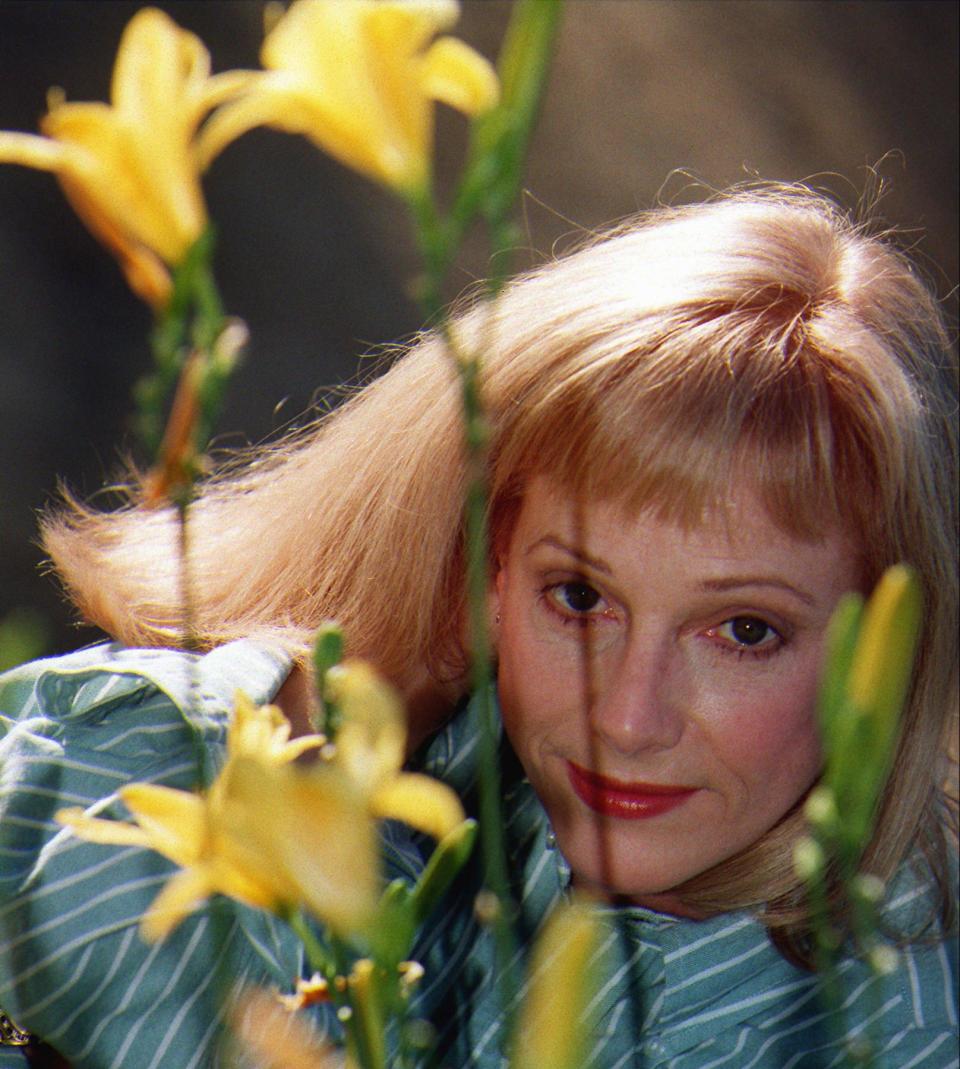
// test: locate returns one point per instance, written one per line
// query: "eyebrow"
(718, 585)
(736, 582)
(574, 551)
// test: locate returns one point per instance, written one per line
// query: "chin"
(622, 873)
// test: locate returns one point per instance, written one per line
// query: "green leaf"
(394, 926)
(446, 861)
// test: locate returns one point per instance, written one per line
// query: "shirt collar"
(201, 686)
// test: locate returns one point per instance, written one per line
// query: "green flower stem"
(328, 647)
(500, 139)
(192, 321)
(826, 948)
(478, 580)
(332, 965)
(434, 237)
(367, 1002)
(319, 959)
(488, 189)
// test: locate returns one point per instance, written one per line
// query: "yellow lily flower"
(130, 168)
(264, 732)
(311, 832)
(554, 1022)
(357, 78)
(270, 835)
(278, 1040)
(266, 833)
(369, 752)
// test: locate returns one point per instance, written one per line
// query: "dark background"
(647, 98)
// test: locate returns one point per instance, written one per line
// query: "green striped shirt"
(672, 993)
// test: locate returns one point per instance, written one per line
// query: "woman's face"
(700, 650)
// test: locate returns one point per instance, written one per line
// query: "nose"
(638, 702)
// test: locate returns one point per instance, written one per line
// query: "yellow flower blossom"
(359, 78)
(277, 836)
(370, 749)
(312, 831)
(263, 731)
(555, 1018)
(266, 833)
(278, 1040)
(130, 168)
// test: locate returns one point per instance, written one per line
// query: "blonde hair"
(762, 330)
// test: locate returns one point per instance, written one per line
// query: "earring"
(496, 618)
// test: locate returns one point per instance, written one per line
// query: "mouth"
(628, 801)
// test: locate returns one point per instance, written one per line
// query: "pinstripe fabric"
(672, 994)
(72, 965)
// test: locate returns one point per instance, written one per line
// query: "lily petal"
(144, 271)
(29, 150)
(354, 77)
(420, 801)
(553, 1029)
(370, 742)
(270, 100)
(98, 830)
(131, 170)
(141, 177)
(308, 833)
(264, 732)
(330, 849)
(181, 895)
(156, 63)
(457, 75)
(175, 822)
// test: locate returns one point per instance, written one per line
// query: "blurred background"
(650, 101)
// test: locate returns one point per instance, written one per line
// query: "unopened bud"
(821, 807)
(486, 907)
(883, 959)
(869, 887)
(808, 859)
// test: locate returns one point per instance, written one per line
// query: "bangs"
(676, 428)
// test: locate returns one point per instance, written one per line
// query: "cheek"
(772, 745)
(533, 683)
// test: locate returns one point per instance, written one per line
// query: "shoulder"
(73, 967)
(117, 710)
(88, 683)
(76, 728)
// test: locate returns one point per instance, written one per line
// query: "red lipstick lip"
(629, 801)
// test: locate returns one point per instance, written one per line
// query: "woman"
(704, 428)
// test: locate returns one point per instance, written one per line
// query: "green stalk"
(433, 240)
(500, 139)
(488, 188)
(332, 966)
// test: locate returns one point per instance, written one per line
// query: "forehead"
(738, 534)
